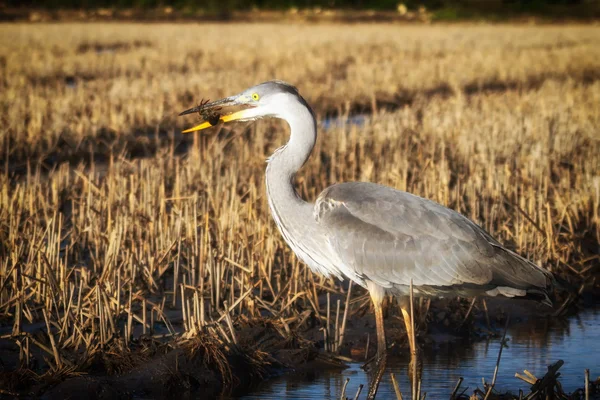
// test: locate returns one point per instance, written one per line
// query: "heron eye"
(255, 96)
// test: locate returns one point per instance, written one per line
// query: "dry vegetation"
(110, 219)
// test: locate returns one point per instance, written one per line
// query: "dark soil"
(155, 367)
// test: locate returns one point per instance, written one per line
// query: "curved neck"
(287, 160)
(294, 216)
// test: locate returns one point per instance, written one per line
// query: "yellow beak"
(224, 118)
(214, 113)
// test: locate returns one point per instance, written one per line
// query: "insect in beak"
(212, 113)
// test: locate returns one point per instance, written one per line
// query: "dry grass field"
(111, 220)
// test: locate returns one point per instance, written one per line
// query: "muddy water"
(533, 346)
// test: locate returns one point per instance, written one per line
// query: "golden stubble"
(106, 223)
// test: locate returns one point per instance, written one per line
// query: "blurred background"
(448, 10)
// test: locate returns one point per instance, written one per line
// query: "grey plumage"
(390, 237)
(373, 233)
(377, 236)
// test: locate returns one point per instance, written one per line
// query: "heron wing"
(392, 237)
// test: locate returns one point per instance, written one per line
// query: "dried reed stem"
(396, 387)
(489, 391)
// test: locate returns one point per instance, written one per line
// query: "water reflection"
(533, 346)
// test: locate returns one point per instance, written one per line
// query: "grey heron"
(379, 237)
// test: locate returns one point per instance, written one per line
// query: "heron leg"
(381, 343)
(377, 376)
(377, 295)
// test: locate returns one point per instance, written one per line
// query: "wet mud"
(155, 366)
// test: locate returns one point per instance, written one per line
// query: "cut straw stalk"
(497, 367)
(346, 310)
(57, 358)
(396, 387)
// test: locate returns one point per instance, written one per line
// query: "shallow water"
(337, 122)
(532, 345)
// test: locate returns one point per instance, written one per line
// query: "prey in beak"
(224, 110)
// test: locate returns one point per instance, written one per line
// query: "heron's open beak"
(224, 110)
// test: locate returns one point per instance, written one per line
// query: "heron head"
(268, 99)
